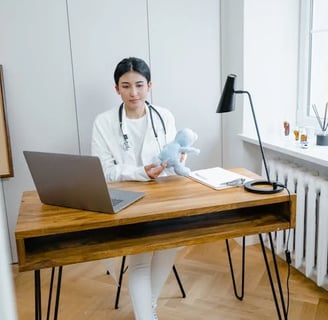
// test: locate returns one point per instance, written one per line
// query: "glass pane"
(320, 14)
(319, 72)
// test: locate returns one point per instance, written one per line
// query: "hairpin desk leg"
(277, 277)
(50, 291)
(37, 287)
(37, 295)
(60, 269)
(120, 282)
(179, 282)
(241, 296)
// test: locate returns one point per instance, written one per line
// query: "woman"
(128, 139)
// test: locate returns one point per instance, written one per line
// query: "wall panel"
(39, 89)
(58, 59)
(185, 61)
(102, 33)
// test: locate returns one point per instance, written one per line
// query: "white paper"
(218, 178)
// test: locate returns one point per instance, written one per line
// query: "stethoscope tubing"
(126, 145)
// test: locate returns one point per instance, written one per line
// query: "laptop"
(75, 181)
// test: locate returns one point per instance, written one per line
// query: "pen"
(235, 182)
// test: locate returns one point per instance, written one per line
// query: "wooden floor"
(88, 293)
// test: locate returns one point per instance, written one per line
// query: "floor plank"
(88, 293)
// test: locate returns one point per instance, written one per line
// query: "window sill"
(314, 154)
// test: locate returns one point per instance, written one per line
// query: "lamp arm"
(257, 130)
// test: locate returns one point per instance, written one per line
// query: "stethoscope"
(126, 145)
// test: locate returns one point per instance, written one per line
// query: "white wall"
(58, 59)
(100, 38)
(260, 45)
(232, 62)
(7, 298)
(35, 55)
(186, 47)
(271, 30)
(58, 64)
(185, 67)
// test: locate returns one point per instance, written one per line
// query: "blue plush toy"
(171, 152)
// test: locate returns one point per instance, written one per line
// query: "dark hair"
(131, 64)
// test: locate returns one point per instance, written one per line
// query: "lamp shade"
(227, 101)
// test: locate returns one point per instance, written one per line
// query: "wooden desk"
(175, 211)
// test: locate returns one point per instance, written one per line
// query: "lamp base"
(263, 186)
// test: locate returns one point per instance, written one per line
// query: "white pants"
(147, 275)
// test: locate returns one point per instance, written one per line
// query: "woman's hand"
(154, 170)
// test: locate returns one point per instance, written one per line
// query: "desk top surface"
(165, 198)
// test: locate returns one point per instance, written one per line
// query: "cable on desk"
(287, 252)
(288, 258)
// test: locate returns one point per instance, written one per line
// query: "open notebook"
(218, 178)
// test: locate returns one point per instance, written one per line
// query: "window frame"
(306, 12)
(305, 115)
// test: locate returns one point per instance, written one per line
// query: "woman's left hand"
(154, 170)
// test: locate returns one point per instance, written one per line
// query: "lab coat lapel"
(128, 155)
(150, 148)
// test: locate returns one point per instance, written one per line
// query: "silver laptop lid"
(75, 181)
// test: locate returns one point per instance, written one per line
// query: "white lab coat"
(118, 164)
(107, 144)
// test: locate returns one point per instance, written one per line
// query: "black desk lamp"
(227, 104)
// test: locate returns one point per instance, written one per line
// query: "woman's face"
(133, 89)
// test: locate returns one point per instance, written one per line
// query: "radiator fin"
(308, 242)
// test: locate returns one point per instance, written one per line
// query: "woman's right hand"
(154, 170)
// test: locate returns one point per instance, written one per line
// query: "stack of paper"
(218, 178)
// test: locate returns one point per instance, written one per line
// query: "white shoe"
(155, 313)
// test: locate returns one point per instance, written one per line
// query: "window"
(313, 61)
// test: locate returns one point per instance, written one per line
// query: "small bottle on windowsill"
(286, 128)
(304, 139)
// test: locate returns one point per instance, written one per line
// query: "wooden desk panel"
(175, 211)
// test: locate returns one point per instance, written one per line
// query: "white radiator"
(308, 242)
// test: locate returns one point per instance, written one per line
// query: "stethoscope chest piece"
(126, 146)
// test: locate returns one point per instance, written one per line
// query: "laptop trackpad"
(123, 198)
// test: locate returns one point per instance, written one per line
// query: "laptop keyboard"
(116, 201)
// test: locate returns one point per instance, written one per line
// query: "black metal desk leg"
(179, 282)
(37, 295)
(278, 308)
(59, 276)
(37, 288)
(117, 299)
(50, 292)
(241, 296)
(58, 291)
